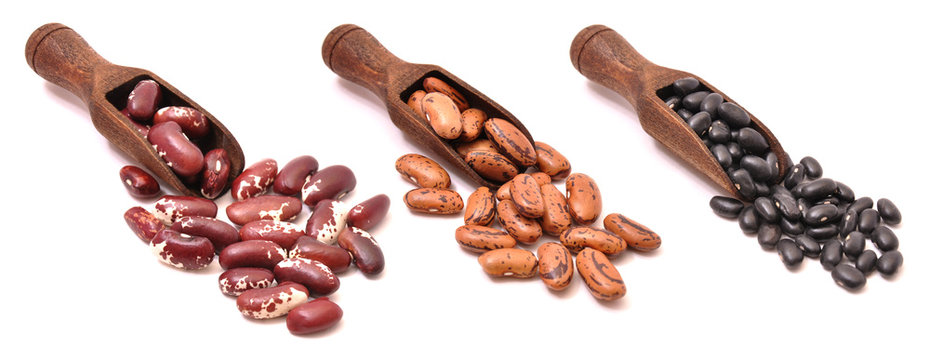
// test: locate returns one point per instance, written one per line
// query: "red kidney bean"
(365, 250)
(254, 180)
(330, 183)
(315, 275)
(215, 174)
(369, 213)
(181, 155)
(191, 121)
(142, 129)
(143, 223)
(282, 233)
(327, 220)
(337, 258)
(294, 174)
(144, 100)
(316, 315)
(265, 207)
(138, 182)
(271, 302)
(252, 253)
(236, 281)
(218, 232)
(181, 250)
(170, 208)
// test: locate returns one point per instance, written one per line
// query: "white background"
(845, 82)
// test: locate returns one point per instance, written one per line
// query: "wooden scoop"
(61, 56)
(354, 54)
(605, 57)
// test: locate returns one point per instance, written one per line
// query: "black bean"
(763, 189)
(789, 252)
(868, 220)
(699, 122)
(736, 151)
(803, 205)
(796, 191)
(693, 100)
(844, 192)
(821, 214)
(791, 227)
(768, 235)
(818, 189)
(752, 141)
(866, 261)
(748, 220)
(828, 200)
(884, 239)
(808, 245)
(685, 86)
(861, 204)
(726, 207)
(766, 209)
(848, 222)
(780, 189)
(832, 254)
(707, 143)
(719, 132)
(734, 115)
(822, 233)
(889, 212)
(812, 167)
(710, 103)
(743, 182)
(889, 262)
(843, 206)
(848, 277)
(722, 155)
(794, 176)
(685, 113)
(772, 160)
(673, 103)
(854, 244)
(786, 204)
(757, 167)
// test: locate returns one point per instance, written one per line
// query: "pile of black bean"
(804, 215)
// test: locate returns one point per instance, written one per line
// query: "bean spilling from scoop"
(801, 215)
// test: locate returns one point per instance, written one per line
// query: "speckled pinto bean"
(365, 250)
(541, 178)
(143, 100)
(254, 180)
(503, 192)
(143, 223)
(179, 153)
(327, 220)
(415, 102)
(516, 263)
(329, 183)
(434, 201)
(556, 219)
(472, 124)
(638, 237)
(271, 302)
(316, 315)
(265, 207)
(294, 174)
(510, 141)
(584, 198)
(252, 253)
(170, 208)
(552, 162)
(138, 182)
(432, 84)
(526, 195)
(283, 233)
(215, 174)
(480, 207)
(555, 265)
(337, 258)
(182, 251)
(577, 238)
(422, 171)
(191, 121)
(477, 145)
(521, 228)
(367, 214)
(218, 232)
(443, 116)
(491, 165)
(315, 275)
(234, 282)
(482, 238)
(601, 277)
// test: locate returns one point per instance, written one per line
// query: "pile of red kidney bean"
(804, 214)
(273, 266)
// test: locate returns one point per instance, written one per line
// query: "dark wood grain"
(354, 54)
(605, 57)
(63, 57)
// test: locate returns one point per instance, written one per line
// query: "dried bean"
(555, 265)
(138, 182)
(272, 302)
(143, 223)
(179, 153)
(192, 122)
(234, 282)
(218, 232)
(252, 253)
(889, 212)
(434, 201)
(516, 263)
(848, 277)
(329, 183)
(583, 197)
(635, 235)
(335, 257)
(364, 249)
(254, 180)
(327, 220)
(215, 173)
(482, 238)
(480, 207)
(182, 251)
(726, 207)
(294, 174)
(601, 277)
(283, 233)
(314, 316)
(170, 208)
(314, 275)
(367, 214)
(265, 207)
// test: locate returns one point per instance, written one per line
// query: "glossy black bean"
(752, 141)
(673, 103)
(710, 103)
(685, 86)
(843, 206)
(796, 191)
(685, 114)
(884, 239)
(889, 262)
(719, 132)
(743, 182)
(848, 277)
(780, 189)
(772, 160)
(757, 167)
(828, 200)
(749, 220)
(786, 205)
(726, 207)
(889, 212)
(844, 192)
(699, 122)
(768, 235)
(866, 261)
(722, 155)
(791, 227)
(763, 189)
(848, 222)
(789, 252)
(809, 246)
(707, 143)
(860, 204)
(811, 167)
(734, 115)
(822, 233)
(803, 205)
(794, 176)
(821, 214)
(832, 254)
(765, 207)
(854, 244)
(693, 100)
(736, 151)
(868, 220)
(818, 189)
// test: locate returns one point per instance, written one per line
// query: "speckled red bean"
(282, 233)
(215, 173)
(315, 275)
(337, 258)
(144, 100)
(422, 171)
(252, 253)
(584, 198)
(294, 174)
(510, 141)
(218, 232)
(367, 214)
(526, 195)
(143, 223)
(254, 180)
(170, 208)
(329, 183)
(178, 152)
(234, 282)
(316, 315)
(138, 182)
(272, 302)
(480, 208)
(182, 251)
(434, 201)
(364, 249)
(265, 207)
(552, 162)
(192, 122)
(327, 220)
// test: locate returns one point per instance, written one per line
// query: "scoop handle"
(61, 56)
(602, 55)
(354, 54)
